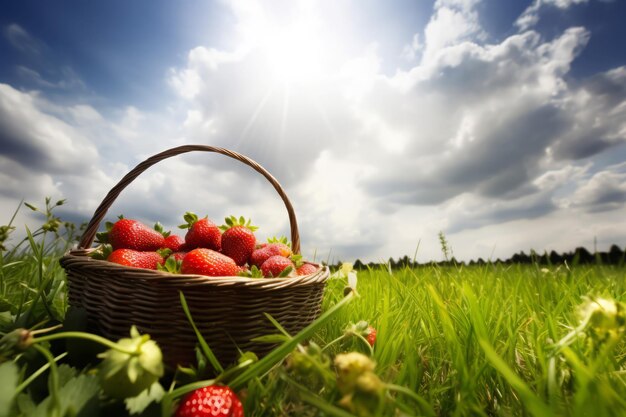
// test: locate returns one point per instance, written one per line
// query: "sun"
(294, 53)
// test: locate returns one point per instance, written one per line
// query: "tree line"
(579, 256)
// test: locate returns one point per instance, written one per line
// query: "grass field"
(486, 340)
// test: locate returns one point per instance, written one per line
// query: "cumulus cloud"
(531, 14)
(604, 191)
(38, 140)
(475, 139)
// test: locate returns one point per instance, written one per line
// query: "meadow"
(483, 340)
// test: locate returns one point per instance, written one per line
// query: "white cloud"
(530, 16)
(494, 144)
(604, 191)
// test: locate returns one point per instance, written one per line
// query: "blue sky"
(499, 123)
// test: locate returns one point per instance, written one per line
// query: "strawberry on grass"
(238, 240)
(210, 401)
(371, 335)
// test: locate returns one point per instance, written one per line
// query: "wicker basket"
(229, 311)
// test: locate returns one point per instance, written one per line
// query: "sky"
(500, 124)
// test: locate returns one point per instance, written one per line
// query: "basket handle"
(90, 232)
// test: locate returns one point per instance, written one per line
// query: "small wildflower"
(603, 318)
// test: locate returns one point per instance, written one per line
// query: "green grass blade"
(278, 354)
(533, 403)
(203, 344)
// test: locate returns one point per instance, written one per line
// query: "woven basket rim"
(164, 277)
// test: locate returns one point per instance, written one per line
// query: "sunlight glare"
(294, 53)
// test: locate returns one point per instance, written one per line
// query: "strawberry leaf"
(136, 405)
(9, 378)
(78, 396)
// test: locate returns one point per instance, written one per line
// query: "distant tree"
(616, 255)
(358, 264)
(555, 258)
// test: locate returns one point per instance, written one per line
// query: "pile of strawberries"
(206, 249)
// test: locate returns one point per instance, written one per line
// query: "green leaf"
(9, 378)
(138, 404)
(78, 396)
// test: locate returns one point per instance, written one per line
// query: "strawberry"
(132, 234)
(178, 256)
(306, 269)
(210, 401)
(238, 241)
(277, 266)
(174, 243)
(202, 261)
(202, 233)
(259, 256)
(371, 335)
(136, 259)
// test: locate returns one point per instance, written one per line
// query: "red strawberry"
(238, 239)
(371, 335)
(137, 259)
(306, 269)
(132, 234)
(202, 261)
(178, 255)
(277, 266)
(174, 243)
(202, 233)
(211, 401)
(259, 256)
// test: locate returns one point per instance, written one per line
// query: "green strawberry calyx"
(190, 218)
(281, 239)
(159, 228)
(253, 272)
(103, 237)
(171, 265)
(101, 252)
(232, 221)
